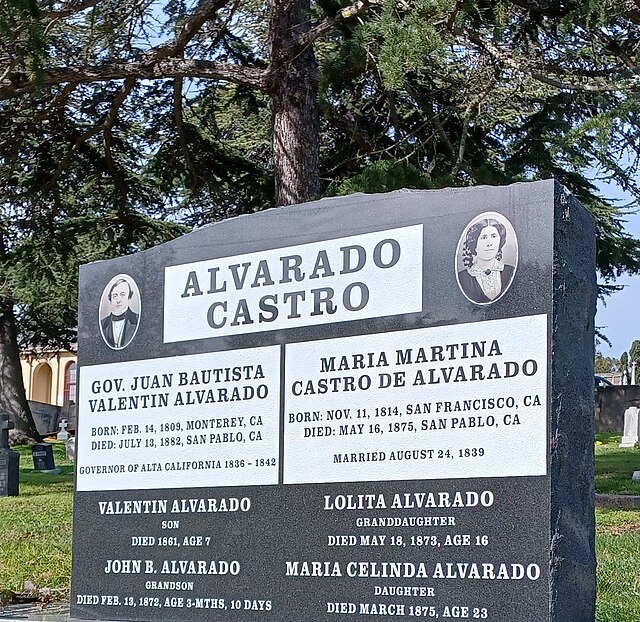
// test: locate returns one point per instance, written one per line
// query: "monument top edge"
(550, 186)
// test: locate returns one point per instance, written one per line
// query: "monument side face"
(376, 406)
(573, 581)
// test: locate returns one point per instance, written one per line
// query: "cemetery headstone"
(70, 447)
(63, 435)
(631, 435)
(363, 407)
(9, 461)
(42, 454)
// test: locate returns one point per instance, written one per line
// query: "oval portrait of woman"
(486, 258)
(119, 311)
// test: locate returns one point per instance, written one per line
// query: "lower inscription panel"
(423, 549)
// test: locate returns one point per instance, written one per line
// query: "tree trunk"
(293, 85)
(13, 399)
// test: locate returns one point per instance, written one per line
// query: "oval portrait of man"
(119, 311)
(486, 258)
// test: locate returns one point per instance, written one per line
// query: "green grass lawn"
(618, 554)
(35, 528)
(35, 531)
(617, 534)
(615, 466)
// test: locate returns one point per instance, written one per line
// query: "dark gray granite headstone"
(42, 454)
(9, 461)
(365, 407)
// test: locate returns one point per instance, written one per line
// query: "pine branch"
(19, 84)
(611, 45)
(559, 10)
(541, 73)
(53, 107)
(189, 30)
(163, 61)
(178, 116)
(69, 9)
(108, 139)
(548, 8)
(329, 23)
(360, 137)
(434, 118)
(468, 114)
(105, 126)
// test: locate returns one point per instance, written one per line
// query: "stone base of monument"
(51, 612)
(631, 436)
(618, 502)
(629, 441)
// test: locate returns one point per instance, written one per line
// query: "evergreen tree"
(606, 364)
(117, 117)
(634, 358)
(490, 93)
(624, 367)
(45, 241)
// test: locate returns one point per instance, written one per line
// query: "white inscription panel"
(362, 276)
(180, 422)
(447, 402)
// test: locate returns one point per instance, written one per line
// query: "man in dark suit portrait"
(119, 327)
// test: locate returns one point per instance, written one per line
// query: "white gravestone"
(63, 435)
(70, 446)
(631, 434)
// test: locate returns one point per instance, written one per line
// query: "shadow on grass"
(608, 438)
(33, 483)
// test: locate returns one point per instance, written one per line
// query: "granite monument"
(367, 407)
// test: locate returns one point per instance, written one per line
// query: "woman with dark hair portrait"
(485, 277)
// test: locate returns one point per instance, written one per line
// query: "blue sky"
(617, 318)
